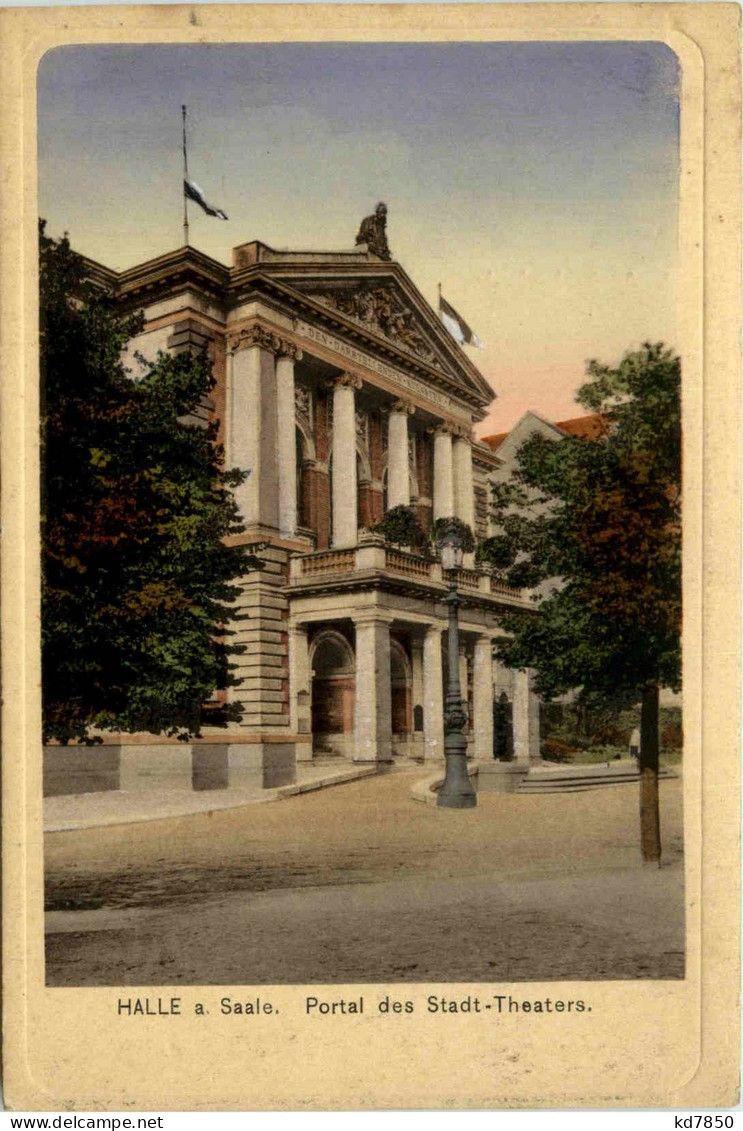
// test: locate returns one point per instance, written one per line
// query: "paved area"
(118, 807)
(362, 883)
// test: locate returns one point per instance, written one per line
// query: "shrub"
(555, 751)
(400, 527)
(465, 532)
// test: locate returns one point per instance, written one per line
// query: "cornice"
(374, 343)
(186, 268)
(366, 580)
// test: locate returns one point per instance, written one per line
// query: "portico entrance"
(333, 669)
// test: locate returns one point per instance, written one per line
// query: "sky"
(537, 182)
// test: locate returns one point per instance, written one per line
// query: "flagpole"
(185, 178)
(439, 296)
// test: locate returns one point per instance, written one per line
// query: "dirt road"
(361, 883)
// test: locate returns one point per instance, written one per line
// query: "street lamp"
(457, 792)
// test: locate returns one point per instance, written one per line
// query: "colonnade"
(372, 739)
(260, 439)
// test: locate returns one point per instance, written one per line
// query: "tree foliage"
(400, 527)
(595, 527)
(603, 517)
(464, 531)
(137, 582)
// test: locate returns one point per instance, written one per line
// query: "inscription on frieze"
(434, 396)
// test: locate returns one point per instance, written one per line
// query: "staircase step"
(577, 782)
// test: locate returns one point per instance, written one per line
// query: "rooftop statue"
(373, 232)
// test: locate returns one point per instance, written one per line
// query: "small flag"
(193, 192)
(457, 326)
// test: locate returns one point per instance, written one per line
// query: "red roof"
(589, 427)
(494, 441)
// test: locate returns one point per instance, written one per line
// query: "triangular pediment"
(379, 307)
(380, 302)
(352, 293)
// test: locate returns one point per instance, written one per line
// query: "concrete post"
(398, 473)
(433, 696)
(526, 747)
(482, 699)
(286, 441)
(443, 475)
(300, 691)
(373, 704)
(344, 485)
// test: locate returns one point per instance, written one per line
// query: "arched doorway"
(401, 682)
(333, 687)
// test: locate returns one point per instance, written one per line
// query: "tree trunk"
(649, 750)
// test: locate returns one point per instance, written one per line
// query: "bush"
(465, 533)
(555, 751)
(400, 527)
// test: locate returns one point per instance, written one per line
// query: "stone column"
(525, 719)
(398, 473)
(464, 496)
(373, 703)
(286, 441)
(344, 487)
(433, 696)
(252, 424)
(300, 691)
(443, 474)
(482, 699)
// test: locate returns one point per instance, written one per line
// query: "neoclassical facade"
(342, 394)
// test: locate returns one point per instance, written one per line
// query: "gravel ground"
(359, 883)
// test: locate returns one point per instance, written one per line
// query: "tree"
(596, 526)
(137, 581)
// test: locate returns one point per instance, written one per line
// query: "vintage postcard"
(370, 413)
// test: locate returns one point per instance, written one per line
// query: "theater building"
(342, 394)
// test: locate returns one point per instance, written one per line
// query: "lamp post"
(457, 792)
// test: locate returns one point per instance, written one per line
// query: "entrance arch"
(333, 667)
(401, 683)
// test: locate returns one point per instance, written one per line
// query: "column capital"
(264, 338)
(345, 380)
(444, 428)
(401, 405)
(371, 617)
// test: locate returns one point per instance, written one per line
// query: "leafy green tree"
(595, 527)
(137, 581)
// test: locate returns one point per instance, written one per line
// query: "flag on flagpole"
(457, 326)
(193, 192)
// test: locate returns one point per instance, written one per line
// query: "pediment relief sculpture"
(378, 308)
